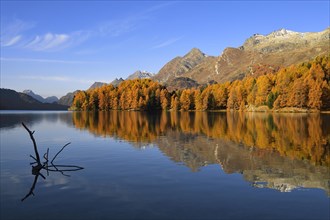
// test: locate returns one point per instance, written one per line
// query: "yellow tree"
(264, 86)
(122, 101)
(164, 99)
(185, 100)
(135, 99)
(198, 100)
(175, 102)
(298, 96)
(78, 100)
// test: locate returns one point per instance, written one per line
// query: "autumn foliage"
(303, 86)
(297, 136)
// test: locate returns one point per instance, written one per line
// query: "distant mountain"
(12, 100)
(67, 99)
(180, 65)
(278, 49)
(97, 85)
(33, 95)
(283, 40)
(50, 99)
(116, 82)
(140, 75)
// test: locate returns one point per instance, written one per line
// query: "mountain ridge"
(179, 65)
(277, 49)
(280, 48)
(12, 100)
(50, 99)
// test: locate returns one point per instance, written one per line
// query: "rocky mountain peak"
(281, 32)
(195, 52)
(284, 39)
(117, 81)
(97, 85)
(50, 99)
(140, 75)
(180, 65)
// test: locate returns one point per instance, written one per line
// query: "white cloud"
(14, 27)
(49, 41)
(14, 33)
(167, 43)
(12, 41)
(11, 32)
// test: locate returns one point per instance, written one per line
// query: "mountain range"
(278, 49)
(12, 100)
(50, 99)
(267, 53)
(259, 53)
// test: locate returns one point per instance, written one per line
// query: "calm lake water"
(167, 165)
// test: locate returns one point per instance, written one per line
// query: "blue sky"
(60, 46)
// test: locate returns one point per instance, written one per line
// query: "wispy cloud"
(54, 42)
(128, 24)
(57, 79)
(11, 41)
(15, 59)
(11, 32)
(48, 41)
(167, 43)
(48, 78)
(117, 28)
(14, 34)
(158, 7)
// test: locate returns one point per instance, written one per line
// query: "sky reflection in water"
(169, 165)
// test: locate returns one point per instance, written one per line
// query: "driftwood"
(36, 170)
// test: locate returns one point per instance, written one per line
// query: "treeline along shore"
(301, 87)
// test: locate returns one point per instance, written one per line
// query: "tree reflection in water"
(280, 151)
(298, 136)
(38, 166)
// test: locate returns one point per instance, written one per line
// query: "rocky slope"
(180, 65)
(263, 169)
(181, 83)
(67, 99)
(277, 49)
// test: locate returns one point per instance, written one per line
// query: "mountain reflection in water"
(279, 151)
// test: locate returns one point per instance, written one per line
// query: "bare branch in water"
(46, 162)
(34, 158)
(32, 188)
(59, 152)
(34, 143)
(36, 170)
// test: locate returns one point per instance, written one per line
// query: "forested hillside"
(303, 86)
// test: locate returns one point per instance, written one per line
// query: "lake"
(167, 165)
